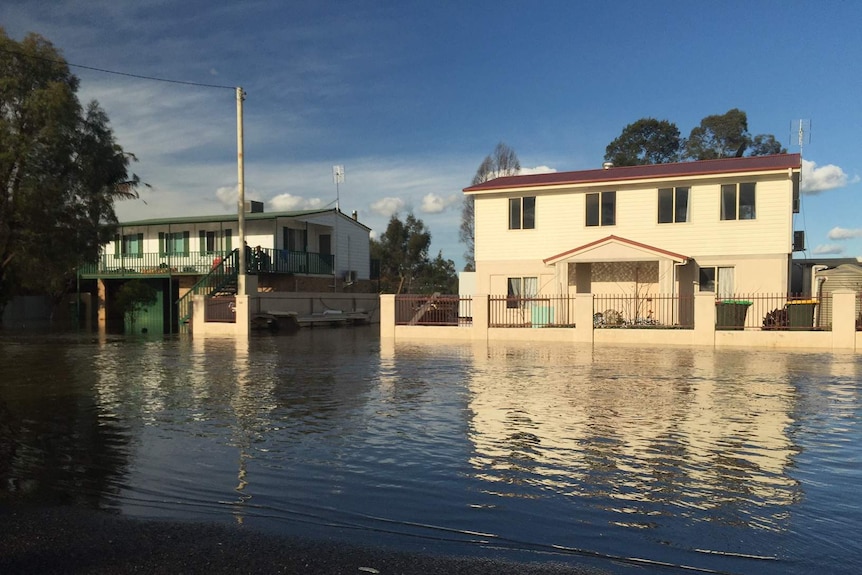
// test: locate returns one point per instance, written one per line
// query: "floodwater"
(736, 461)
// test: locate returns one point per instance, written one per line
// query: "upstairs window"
(522, 213)
(738, 201)
(295, 240)
(673, 205)
(601, 209)
(207, 242)
(129, 245)
(176, 243)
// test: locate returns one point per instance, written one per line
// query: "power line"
(128, 74)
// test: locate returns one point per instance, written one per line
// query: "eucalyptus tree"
(403, 253)
(726, 136)
(61, 170)
(646, 141)
(503, 162)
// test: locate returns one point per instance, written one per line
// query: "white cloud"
(828, 249)
(227, 196)
(837, 233)
(537, 170)
(435, 204)
(819, 179)
(289, 202)
(386, 207)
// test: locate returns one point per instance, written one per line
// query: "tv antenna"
(338, 178)
(801, 129)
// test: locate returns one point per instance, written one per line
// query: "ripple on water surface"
(736, 460)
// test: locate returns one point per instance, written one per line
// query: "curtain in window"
(681, 209)
(531, 287)
(725, 282)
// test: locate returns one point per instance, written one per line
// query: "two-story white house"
(717, 225)
(308, 251)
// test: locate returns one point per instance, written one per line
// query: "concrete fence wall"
(304, 304)
(843, 335)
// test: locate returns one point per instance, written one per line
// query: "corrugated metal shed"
(845, 276)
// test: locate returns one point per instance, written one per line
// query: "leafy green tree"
(404, 264)
(766, 145)
(647, 141)
(133, 297)
(439, 276)
(726, 136)
(60, 172)
(503, 162)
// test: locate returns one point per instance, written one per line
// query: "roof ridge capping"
(774, 162)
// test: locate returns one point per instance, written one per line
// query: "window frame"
(599, 208)
(738, 201)
(124, 243)
(522, 213)
(170, 241)
(207, 242)
(675, 193)
(721, 280)
(519, 289)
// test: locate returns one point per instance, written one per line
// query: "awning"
(614, 249)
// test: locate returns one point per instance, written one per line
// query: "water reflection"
(690, 456)
(638, 430)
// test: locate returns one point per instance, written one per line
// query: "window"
(207, 242)
(131, 245)
(519, 289)
(601, 208)
(295, 240)
(673, 205)
(737, 201)
(718, 280)
(325, 241)
(228, 240)
(176, 243)
(522, 213)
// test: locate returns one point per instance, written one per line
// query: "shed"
(845, 276)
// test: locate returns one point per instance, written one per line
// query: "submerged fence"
(433, 309)
(633, 311)
(774, 312)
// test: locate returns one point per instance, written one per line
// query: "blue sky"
(410, 96)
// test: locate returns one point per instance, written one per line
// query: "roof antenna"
(802, 129)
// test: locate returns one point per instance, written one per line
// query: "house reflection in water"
(644, 432)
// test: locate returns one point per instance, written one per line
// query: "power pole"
(240, 169)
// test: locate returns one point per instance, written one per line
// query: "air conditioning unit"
(350, 277)
(799, 241)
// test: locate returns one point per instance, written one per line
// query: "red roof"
(775, 162)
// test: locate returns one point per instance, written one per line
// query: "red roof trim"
(775, 162)
(612, 238)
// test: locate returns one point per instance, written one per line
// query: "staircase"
(221, 280)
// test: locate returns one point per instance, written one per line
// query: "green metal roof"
(232, 218)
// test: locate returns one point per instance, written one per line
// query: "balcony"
(194, 263)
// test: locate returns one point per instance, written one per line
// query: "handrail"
(223, 274)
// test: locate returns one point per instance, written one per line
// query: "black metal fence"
(434, 309)
(643, 311)
(537, 311)
(654, 311)
(774, 312)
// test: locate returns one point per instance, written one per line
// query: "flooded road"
(735, 461)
